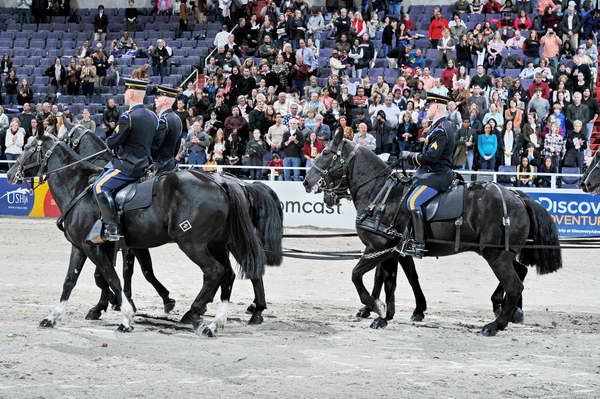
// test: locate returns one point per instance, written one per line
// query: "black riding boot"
(413, 246)
(110, 219)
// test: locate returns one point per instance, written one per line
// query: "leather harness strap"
(69, 207)
(505, 219)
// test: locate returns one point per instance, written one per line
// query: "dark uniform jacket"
(167, 141)
(132, 140)
(434, 163)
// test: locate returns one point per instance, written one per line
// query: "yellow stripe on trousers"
(105, 179)
(414, 197)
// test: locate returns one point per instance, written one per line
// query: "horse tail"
(244, 243)
(542, 231)
(267, 217)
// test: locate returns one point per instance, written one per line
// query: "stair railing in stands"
(194, 74)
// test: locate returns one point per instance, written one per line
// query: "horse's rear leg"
(214, 272)
(143, 257)
(498, 298)
(408, 265)
(76, 262)
(389, 272)
(501, 263)
(128, 265)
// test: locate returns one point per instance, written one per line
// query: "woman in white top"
(15, 139)
(3, 120)
(461, 76)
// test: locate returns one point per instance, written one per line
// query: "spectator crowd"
(285, 77)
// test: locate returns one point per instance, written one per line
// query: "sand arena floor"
(310, 345)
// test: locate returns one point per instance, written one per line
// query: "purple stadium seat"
(13, 27)
(53, 44)
(58, 28)
(69, 36)
(68, 52)
(36, 43)
(20, 44)
(34, 60)
(7, 35)
(4, 44)
(29, 27)
(38, 52)
(513, 73)
(22, 35)
(54, 53)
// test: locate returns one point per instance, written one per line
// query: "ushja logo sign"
(20, 196)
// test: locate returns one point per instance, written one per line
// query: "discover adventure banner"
(574, 212)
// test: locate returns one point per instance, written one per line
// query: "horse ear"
(339, 136)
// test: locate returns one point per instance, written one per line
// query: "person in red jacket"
(438, 24)
(448, 73)
(408, 24)
(491, 7)
(312, 148)
(539, 83)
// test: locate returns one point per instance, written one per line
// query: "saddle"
(136, 195)
(381, 215)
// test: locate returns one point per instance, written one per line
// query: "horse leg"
(103, 258)
(378, 281)
(389, 271)
(76, 262)
(105, 295)
(214, 272)
(365, 265)
(143, 257)
(408, 265)
(260, 302)
(128, 266)
(501, 263)
(498, 298)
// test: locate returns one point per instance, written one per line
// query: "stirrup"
(410, 247)
(111, 233)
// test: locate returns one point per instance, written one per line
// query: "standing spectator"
(293, 148)
(487, 145)
(84, 51)
(554, 144)
(407, 132)
(160, 57)
(73, 72)
(100, 25)
(510, 146)
(88, 77)
(276, 132)
(491, 7)
(196, 143)
(24, 11)
(575, 146)
(10, 83)
(538, 83)
(101, 64)
(570, 26)
(57, 74)
(366, 139)
(296, 28)
(312, 148)
(531, 47)
(131, 15)
(551, 46)
(579, 112)
(87, 122)
(438, 24)
(183, 16)
(5, 65)
(255, 151)
(110, 117)
(463, 154)
(39, 11)
(342, 24)
(15, 140)
(25, 119)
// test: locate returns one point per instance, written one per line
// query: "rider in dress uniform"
(434, 170)
(131, 144)
(168, 137)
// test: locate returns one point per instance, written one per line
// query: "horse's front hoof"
(46, 323)
(207, 332)
(489, 330)
(116, 308)
(93, 314)
(379, 323)
(169, 305)
(256, 319)
(124, 329)
(417, 317)
(251, 308)
(363, 312)
(518, 316)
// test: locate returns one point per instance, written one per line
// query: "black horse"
(590, 182)
(345, 166)
(205, 219)
(267, 218)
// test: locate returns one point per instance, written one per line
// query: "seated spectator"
(86, 122)
(491, 7)
(525, 173)
(547, 167)
(126, 42)
(462, 7)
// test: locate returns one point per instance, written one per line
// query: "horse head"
(591, 178)
(34, 159)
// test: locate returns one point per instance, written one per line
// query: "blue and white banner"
(575, 214)
(15, 200)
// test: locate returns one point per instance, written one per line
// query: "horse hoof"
(251, 309)
(518, 316)
(188, 318)
(116, 308)
(363, 313)
(207, 332)
(497, 312)
(46, 323)
(489, 331)
(123, 329)
(417, 317)
(93, 314)
(169, 305)
(256, 319)
(379, 323)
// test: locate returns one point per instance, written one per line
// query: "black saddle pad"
(447, 205)
(135, 195)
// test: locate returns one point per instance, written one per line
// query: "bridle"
(41, 158)
(73, 140)
(337, 190)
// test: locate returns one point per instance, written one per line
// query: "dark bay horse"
(204, 219)
(344, 165)
(266, 214)
(590, 182)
